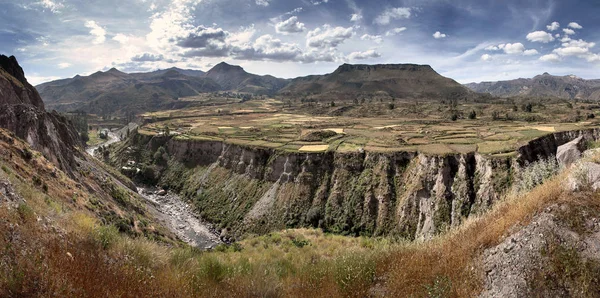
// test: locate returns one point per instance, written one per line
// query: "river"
(179, 217)
(112, 138)
(172, 211)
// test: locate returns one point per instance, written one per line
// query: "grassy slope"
(36, 255)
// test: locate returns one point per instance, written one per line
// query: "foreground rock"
(525, 263)
(570, 152)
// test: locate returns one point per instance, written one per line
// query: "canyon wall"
(406, 194)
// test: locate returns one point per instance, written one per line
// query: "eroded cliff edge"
(255, 190)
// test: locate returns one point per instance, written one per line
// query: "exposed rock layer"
(408, 194)
(23, 113)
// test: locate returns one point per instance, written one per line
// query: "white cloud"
(486, 57)
(262, 2)
(96, 31)
(153, 7)
(575, 25)
(568, 31)
(328, 36)
(355, 17)
(571, 51)
(579, 43)
(53, 6)
(494, 48)
(364, 55)
(291, 25)
(553, 27)
(395, 31)
(550, 58)
(375, 38)
(121, 38)
(540, 36)
(392, 14)
(438, 35)
(64, 65)
(513, 48)
(530, 52)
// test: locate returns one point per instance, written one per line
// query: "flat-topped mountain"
(233, 77)
(544, 85)
(397, 80)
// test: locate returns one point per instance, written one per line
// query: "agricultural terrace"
(305, 133)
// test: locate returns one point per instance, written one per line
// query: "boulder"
(586, 175)
(162, 192)
(570, 152)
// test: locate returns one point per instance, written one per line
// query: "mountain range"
(542, 86)
(117, 92)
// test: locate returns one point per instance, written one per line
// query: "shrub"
(536, 173)
(106, 236)
(26, 154)
(472, 115)
(300, 243)
(26, 213)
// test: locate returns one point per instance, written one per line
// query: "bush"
(106, 236)
(536, 173)
(472, 115)
(26, 154)
(26, 212)
(300, 243)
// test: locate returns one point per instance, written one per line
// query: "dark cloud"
(147, 57)
(202, 37)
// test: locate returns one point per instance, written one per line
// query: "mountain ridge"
(544, 85)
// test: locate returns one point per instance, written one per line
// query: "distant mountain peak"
(224, 66)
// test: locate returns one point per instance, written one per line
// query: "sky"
(467, 40)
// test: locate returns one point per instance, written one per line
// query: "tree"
(472, 115)
(332, 103)
(391, 106)
(167, 131)
(84, 136)
(495, 115)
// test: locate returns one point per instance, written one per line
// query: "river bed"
(180, 218)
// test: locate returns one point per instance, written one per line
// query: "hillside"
(115, 92)
(235, 78)
(396, 80)
(545, 85)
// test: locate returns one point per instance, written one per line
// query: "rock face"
(408, 194)
(570, 152)
(23, 113)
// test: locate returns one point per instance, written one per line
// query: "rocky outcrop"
(570, 152)
(23, 113)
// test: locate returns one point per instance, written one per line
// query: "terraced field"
(305, 133)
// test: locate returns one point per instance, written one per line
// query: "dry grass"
(69, 253)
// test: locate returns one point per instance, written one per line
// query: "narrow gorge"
(244, 189)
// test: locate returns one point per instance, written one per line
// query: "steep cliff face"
(23, 113)
(256, 190)
(407, 194)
